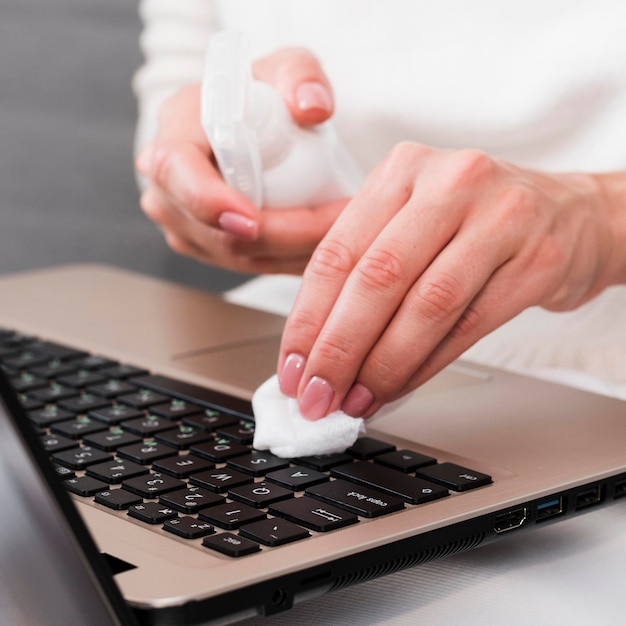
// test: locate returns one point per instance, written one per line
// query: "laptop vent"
(408, 560)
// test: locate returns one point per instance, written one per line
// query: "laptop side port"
(620, 489)
(549, 509)
(588, 497)
(510, 520)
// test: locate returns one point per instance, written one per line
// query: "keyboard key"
(81, 378)
(182, 466)
(220, 480)
(405, 461)
(410, 489)
(63, 472)
(143, 398)
(57, 443)
(311, 514)
(367, 448)
(242, 432)
(191, 499)
(147, 425)
(324, 462)
(112, 389)
(84, 403)
(115, 471)
(176, 409)
(116, 414)
(183, 437)
(210, 420)
(260, 495)
(54, 393)
(274, 532)
(230, 544)
(297, 477)
(49, 415)
(122, 371)
(80, 458)
(358, 499)
(219, 450)
(257, 463)
(111, 439)
(231, 515)
(27, 382)
(78, 427)
(84, 485)
(152, 485)
(454, 476)
(117, 499)
(151, 512)
(146, 452)
(54, 369)
(188, 527)
(93, 362)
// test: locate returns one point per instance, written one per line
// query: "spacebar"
(194, 393)
(410, 489)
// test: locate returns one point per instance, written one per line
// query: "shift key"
(410, 489)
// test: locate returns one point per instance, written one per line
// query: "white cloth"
(281, 429)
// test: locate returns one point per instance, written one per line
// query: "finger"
(331, 265)
(298, 76)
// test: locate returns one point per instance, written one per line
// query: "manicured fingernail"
(357, 400)
(316, 399)
(313, 95)
(291, 374)
(238, 225)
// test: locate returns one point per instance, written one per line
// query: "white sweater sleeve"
(172, 41)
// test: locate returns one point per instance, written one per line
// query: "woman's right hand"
(199, 215)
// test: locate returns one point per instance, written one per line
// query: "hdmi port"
(510, 520)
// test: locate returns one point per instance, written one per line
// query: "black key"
(84, 403)
(122, 371)
(81, 378)
(78, 427)
(152, 485)
(49, 415)
(56, 351)
(368, 448)
(219, 450)
(454, 476)
(260, 495)
(199, 395)
(324, 462)
(93, 362)
(220, 480)
(143, 398)
(182, 466)
(405, 460)
(146, 452)
(176, 409)
(80, 458)
(118, 499)
(258, 462)
(54, 393)
(210, 420)
(183, 437)
(410, 489)
(27, 382)
(57, 443)
(116, 414)
(63, 472)
(30, 404)
(242, 432)
(147, 425)
(112, 389)
(111, 439)
(274, 532)
(151, 512)
(24, 360)
(191, 499)
(115, 471)
(297, 478)
(361, 500)
(311, 514)
(188, 527)
(230, 544)
(54, 368)
(84, 485)
(231, 515)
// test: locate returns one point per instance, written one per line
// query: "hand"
(437, 250)
(202, 217)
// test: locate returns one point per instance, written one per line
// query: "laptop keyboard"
(179, 457)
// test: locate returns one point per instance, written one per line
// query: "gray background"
(67, 113)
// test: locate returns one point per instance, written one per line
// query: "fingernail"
(316, 399)
(357, 400)
(313, 95)
(142, 161)
(291, 374)
(238, 225)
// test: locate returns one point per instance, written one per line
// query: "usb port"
(549, 509)
(588, 497)
(620, 489)
(510, 520)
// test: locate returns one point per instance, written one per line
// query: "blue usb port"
(549, 509)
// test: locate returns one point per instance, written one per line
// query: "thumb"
(298, 76)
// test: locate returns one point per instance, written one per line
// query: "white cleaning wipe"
(281, 429)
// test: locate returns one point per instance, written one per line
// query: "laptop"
(138, 394)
